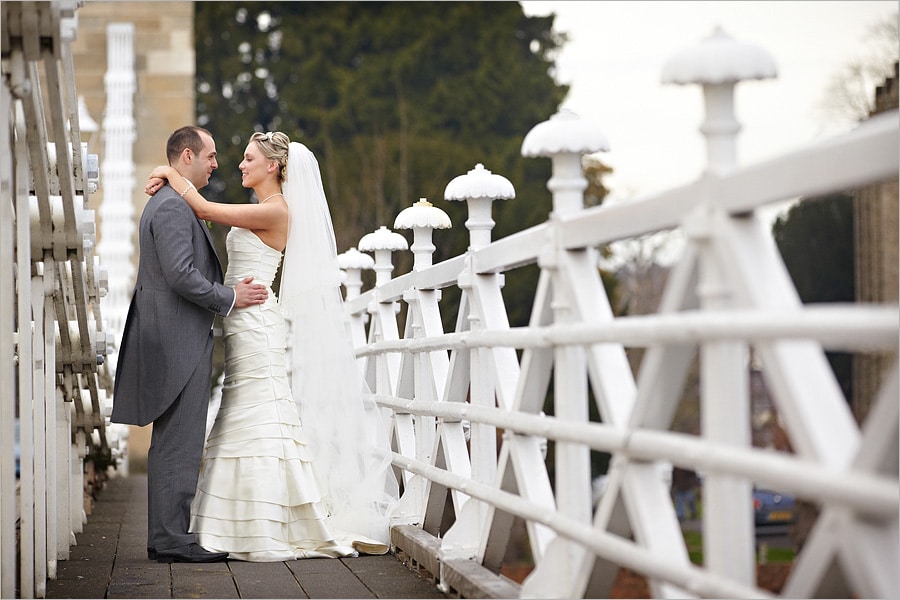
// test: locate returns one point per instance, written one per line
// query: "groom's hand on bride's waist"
(247, 293)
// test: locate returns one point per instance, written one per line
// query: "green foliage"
(816, 240)
(693, 540)
(394, 98)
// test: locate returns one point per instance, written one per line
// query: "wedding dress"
(259, 497)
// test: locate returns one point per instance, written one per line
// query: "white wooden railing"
(728, 293)
(54, 381)
(452, 394)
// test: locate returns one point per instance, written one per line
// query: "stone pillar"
(163, 59)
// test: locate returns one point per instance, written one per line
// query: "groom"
(165, 358)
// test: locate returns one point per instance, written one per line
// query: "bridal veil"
(346, 432)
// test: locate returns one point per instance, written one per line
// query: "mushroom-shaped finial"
(422, 214)
(354, 259)
(719, 59)
(382, 242)
(565, 138)
(718, 63)
(352, 263)
(382, 239)
(479, 188)
(479, 183)
(565, 132)
(422, 217)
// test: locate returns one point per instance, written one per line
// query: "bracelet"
(189, 187)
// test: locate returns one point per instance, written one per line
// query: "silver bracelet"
(189, 187)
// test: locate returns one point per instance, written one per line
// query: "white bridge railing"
(54, 432)
(468, 426)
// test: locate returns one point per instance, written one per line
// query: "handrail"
(53, 402)
(729, 293)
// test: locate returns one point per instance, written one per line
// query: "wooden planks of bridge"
(109, 560)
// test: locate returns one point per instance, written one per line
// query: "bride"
(296, 465)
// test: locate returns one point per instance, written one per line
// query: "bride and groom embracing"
(297, 464)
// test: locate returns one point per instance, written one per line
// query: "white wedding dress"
(257, 496)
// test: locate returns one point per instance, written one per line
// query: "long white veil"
(345, 431)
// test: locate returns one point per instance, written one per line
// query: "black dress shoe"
(151, 553)
(192, 553)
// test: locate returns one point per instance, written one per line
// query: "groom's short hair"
(184, 137)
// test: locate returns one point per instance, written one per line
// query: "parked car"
(773, 508)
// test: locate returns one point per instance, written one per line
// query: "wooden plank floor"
(109, 560)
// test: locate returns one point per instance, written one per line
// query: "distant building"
(877, 225)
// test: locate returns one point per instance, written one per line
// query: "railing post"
(565, 138)
(718, 63)
(423, 319)
(488, 367)
(7, 351)
(422, 217)
(479, 188)
(382, 242)
(352, 263)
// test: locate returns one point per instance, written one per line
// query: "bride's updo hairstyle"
(274, 146)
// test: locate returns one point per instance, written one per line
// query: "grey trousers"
(173, 461)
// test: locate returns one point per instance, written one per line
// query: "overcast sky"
(617, 50)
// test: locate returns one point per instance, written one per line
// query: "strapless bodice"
(249, 256)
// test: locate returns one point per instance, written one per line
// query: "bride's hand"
(153, 185)
(157, 179)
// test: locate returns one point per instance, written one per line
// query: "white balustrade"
(53, 344)
(728, 293)
(470, 434)
(718, 63)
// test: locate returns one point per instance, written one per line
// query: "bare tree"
(848, 97)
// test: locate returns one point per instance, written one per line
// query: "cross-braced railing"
(53, 383)
(468, 425)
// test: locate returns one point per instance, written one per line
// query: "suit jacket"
(177, 293)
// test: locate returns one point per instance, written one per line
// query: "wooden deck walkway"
(109, 560)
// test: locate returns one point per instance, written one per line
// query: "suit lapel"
(212, 246)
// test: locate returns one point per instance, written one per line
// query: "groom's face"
(201, 165)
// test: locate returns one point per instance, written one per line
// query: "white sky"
(615, 55)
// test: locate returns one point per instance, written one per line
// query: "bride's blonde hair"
(274, 146)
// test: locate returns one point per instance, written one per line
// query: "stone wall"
(877, 260)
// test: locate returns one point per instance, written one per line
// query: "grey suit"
(165, 357)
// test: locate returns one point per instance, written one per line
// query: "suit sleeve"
(174, 227)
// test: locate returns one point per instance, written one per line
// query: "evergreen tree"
(816, 240)
(394, 98)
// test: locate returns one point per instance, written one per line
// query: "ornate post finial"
(565, 138)
(382, 242)
(422, 217)
(479, 188)
(353, 262)
(718, 63)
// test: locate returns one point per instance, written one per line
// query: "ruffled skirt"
(257, 496)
